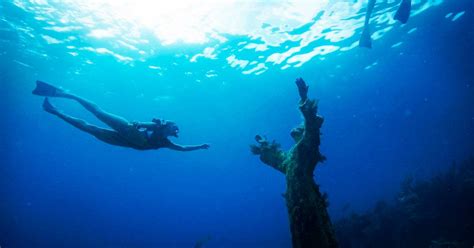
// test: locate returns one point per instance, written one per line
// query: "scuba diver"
(402, 15)
(136, 135)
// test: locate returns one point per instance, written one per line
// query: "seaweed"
(435, 213)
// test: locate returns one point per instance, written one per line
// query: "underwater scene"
(237, 123)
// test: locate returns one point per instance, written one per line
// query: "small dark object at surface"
(403, 12)
(310, 224)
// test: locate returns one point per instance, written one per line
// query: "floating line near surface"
(23, 64)
(458, 15)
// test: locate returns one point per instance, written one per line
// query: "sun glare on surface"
(283, 33)
(190, 21)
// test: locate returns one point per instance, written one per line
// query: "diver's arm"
(183, 148)
(370, 8)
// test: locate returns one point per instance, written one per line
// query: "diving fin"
(48, 107)
(45, 89)
(403, 12)
(365, 39)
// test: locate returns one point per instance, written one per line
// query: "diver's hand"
(302, 88)
(204, 146)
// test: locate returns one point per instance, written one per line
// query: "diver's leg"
(105, 135)
(365, 38)
(117, 123)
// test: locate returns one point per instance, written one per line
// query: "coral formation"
(202, 242)
(310, 224)
(430, 213)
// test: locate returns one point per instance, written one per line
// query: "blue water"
(406, 107)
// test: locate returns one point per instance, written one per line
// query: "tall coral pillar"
(310, 224)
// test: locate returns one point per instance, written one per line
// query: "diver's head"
(169, 128)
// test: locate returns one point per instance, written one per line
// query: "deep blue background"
(413, 113)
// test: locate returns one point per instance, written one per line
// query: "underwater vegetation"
(310, 224)
(435, 213)
(203, 241)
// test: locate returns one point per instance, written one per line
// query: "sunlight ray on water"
(251, 36)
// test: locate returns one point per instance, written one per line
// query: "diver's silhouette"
(402, 15)
(137, 135)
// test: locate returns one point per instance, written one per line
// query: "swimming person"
(402, 15)
(136, 135)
